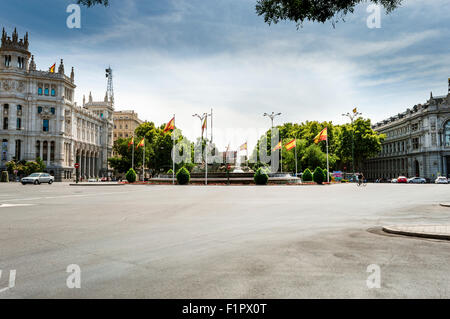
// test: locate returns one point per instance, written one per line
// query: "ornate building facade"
(41, 119)
(125, 122)
(417, 142)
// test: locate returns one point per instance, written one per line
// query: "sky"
(188, 56)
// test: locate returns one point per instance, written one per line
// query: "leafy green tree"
(367, 142)
(313, 10)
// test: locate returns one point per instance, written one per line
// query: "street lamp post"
(202, 118)
(272, 116)
(352, 117)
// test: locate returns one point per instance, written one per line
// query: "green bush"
(318, 176)
(261, 177)
(170, 172)
(31, 167)
(307, 176)
(131, 176)
(4, 177)
(183, 176)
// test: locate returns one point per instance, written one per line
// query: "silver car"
(417, 180)
(38, 178)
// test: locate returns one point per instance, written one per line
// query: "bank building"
(39, 117)
(417, 142)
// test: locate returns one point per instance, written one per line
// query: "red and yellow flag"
(322, 136)
(131, 142)
(170, 125)
(141, 143)
(52, 68)
(291, 144)
(244, 147)
(278, 147)
(204, 124)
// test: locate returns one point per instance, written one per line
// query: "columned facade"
(40, 119)
(417, 142)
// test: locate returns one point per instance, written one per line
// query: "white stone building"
(39, 117)
(417, 142)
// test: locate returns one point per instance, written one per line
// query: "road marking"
(14, 205)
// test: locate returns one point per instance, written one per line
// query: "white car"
(38, 178)
(394, 180)
(441, 180)
(417, 180)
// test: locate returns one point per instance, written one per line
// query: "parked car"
(441, 180)
(394, 180)
(38, 178)
(402, 179)
(417, 180)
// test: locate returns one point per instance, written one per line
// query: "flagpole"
(328, 164)
(173, 154)
(132, 154)
(281, 152)
(143, 163)
(206, 149)
(295, 158)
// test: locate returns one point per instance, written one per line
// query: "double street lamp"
(352, 116)
(272, 116)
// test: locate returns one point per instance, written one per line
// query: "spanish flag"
(291, 144)
(278, 147)
(52, 68)
(170, 125)
(141, 143)
(244, 147)
(204, 124)
(131, 142)
(322, 136)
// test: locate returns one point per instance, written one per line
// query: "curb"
(398, 231)
(93, 184)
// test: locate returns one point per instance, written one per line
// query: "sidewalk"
(423, 231)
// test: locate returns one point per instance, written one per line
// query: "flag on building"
(355, 110)
(291, 144)
(141, 143)
(322, 136)
(278, 147)
(170, 126)
(244, 147)
(131, 142)
(52, 68)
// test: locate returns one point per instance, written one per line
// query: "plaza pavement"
(222, 242)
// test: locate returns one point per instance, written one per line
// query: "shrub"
(183, 176)
(4, 177)
(31, 167)
(307, 176)
(170, 172)
(261, 177)
(131, 176)
(318, 176)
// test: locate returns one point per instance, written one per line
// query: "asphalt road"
(221, 242)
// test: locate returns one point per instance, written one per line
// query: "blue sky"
(186, 56)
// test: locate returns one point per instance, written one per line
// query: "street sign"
(77, 165)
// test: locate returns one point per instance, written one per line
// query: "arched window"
(38, 149)
(52, 151)
(45, 151)
(447, 134)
